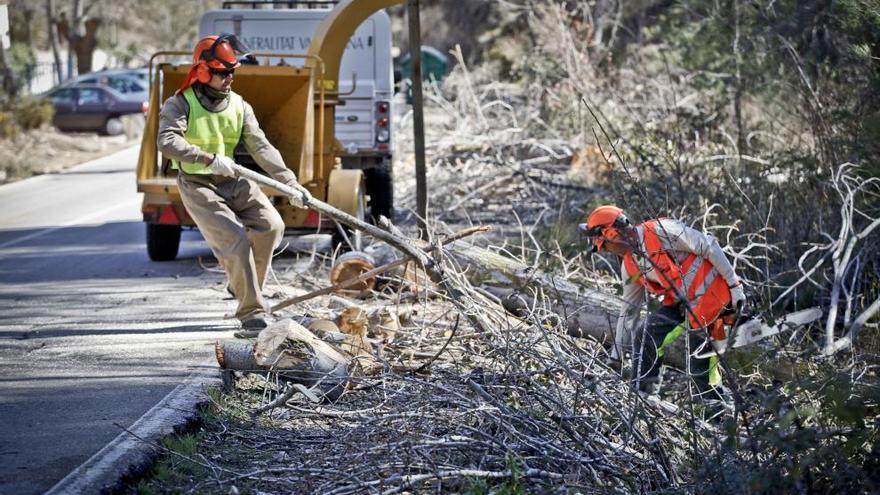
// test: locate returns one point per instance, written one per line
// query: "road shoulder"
(134, 450)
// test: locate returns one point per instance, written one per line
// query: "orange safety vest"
(706, 291)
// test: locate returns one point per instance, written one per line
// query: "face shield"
(227, 50)
(600, 234)
(595, 236)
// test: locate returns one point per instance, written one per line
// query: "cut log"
(353, 321)
(584, 311)
(296, 354)
(352, 265)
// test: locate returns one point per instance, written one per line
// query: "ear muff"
(203, 74)
(621, 222)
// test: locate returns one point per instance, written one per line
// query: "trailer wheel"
(346, 238)
(345, 190)
(163, 241)
(380, 188)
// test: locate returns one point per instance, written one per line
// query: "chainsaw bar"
(753, 330)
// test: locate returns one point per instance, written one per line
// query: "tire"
(380, 188)
(114, 126)
(353, 239)
(163, 241)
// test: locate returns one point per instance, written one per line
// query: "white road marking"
(77, 221)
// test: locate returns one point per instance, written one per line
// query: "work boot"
(715, 403)
(614, 363)
(648, 387)
(251, 327)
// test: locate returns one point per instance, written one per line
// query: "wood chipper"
(295, 107)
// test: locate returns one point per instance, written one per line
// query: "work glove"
(222, 165)
(720, 345)
(738, 297)
(300, 200)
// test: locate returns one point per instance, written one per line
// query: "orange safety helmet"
(214, 52)
(603, 224)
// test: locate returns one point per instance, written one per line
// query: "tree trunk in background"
(85, 46)
(6, 76)
(53, 39)
(81, 36)
(28, 19)
(77, 13)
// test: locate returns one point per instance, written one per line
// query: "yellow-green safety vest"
(213, 132)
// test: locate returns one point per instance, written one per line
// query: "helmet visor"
(224, 50)
(595, 235)
(600, 234)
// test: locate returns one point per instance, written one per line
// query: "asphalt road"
(92, 333)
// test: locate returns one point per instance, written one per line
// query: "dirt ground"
(48, 150)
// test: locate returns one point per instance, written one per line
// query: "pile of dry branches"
(463, 394)
(516, 402)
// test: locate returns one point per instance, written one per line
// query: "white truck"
(363, 115)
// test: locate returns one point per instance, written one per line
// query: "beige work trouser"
(241, 227)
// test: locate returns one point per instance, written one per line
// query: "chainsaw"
(745, 329)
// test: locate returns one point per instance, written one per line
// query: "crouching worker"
(683, 266)
(199, 128)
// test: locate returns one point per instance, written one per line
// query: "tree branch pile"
(466, 394)
(518, 402)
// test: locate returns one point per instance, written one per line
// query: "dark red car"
(92, 107)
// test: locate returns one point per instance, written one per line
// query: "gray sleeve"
(633, 300)
(684, 238)
(267, 156)
(172, 128)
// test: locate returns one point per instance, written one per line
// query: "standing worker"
(199, 128)
(688, 269)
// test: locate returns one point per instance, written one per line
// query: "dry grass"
(46, 150)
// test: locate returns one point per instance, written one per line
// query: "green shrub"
(33, 113)
(814, 434)
(8, 128)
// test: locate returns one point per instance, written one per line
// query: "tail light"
(383, 116)
(145, 107)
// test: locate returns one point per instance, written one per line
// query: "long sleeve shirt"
(172, 144)
(683, 242)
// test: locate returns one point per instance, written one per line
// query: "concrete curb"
(133, 451)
